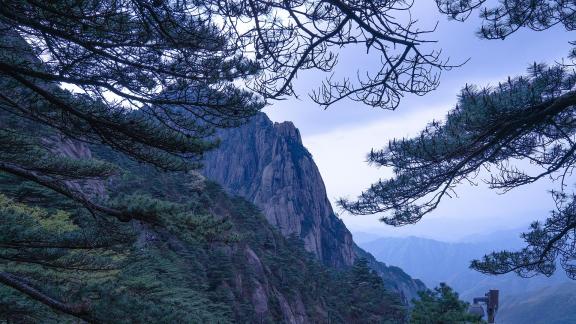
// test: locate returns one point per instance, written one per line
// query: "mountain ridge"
(259, 276)
(267, 163)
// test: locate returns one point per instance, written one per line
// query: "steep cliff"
(206, 258)
(203, 257)
(267, 163)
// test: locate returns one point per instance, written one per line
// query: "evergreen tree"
(523, 118)
(441, 306)
(152, 80)
(186, 67)
(45, 246)
(367, 292)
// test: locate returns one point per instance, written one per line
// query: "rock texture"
(61, 145)
(267, 163)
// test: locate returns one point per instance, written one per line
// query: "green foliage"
(488, 132)
(369, 301)
(501, 19)
(350, 295)
(441, 306)
(137, 74)
(547, 242)
(56, 252)
(491, 131)
(490, 127)
(106, 240)
(15, 308)
(198, 258)
(50, 239)
(17, 147)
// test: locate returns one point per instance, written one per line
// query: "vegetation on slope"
(206, 258)
(441, 306)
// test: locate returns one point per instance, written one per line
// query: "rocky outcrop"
(267, 163)
(64, 146)
(258, 287)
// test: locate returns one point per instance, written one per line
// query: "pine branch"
(77, 310)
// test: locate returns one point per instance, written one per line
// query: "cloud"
(341, 154)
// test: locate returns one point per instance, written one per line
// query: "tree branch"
(77, 310)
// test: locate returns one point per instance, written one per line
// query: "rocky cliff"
(180, 270)
(267, 163)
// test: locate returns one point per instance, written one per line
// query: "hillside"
(179, 248)
(267, 163)
(152, 171)
(211, 259)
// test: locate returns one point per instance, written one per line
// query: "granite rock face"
(267, 164)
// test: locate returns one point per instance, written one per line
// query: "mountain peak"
(267, 164)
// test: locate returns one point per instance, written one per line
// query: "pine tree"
(152, 80)
(441, 306)
(368, 295)
(526, 118)
(48, 246)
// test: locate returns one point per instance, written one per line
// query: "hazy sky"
(340, 137)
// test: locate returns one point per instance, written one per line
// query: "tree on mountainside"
(361, 296)
(528, 118)
(369, 288)
(441, 306)
(152, 79)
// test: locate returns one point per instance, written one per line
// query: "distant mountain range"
(538, 299)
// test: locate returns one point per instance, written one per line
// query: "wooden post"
(492, 305)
